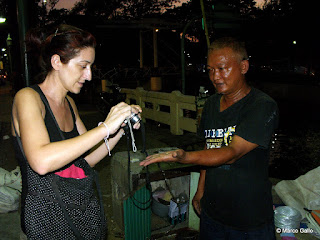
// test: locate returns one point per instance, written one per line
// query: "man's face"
(226, 72)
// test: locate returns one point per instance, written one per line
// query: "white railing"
(166, 108)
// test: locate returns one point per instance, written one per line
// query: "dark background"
(288, 71)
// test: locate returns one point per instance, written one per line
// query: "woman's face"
(74, 74)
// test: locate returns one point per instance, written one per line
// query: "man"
(237, 124)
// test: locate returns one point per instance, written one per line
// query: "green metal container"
(137, 215)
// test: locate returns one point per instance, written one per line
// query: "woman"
(52, 144)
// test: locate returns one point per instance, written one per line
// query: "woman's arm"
(100, 151)
(44, 156)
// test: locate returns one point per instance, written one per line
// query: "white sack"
(303, 192)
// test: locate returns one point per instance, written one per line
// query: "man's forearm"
(210, 157)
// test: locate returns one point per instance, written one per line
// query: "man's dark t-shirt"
(239, 194)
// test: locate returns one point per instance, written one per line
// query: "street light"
(9, 40)
(3, 20)
(9, 44)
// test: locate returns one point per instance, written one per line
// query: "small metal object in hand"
(134, 118)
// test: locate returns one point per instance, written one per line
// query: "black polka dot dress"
(55, 207)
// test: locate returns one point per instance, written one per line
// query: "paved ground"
(157, 136)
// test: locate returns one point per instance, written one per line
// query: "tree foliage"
(44, 14)
(121, 9)
(246, 8)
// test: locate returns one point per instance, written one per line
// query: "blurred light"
(3, 49)
(2, 20)
(294, 42)
(157, 30)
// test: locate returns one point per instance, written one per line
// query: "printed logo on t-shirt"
(216, 138)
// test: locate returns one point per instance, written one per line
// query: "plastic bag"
(10, 189)
(303, 192)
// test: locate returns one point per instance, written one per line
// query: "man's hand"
(196, 202)
(171, 156)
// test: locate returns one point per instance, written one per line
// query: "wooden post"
(205, 23)
(155, 48)
(141, 49)
(176, 113)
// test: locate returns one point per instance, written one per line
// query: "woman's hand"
(118, 114)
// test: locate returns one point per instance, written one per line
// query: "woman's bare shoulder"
(26, 98)
(26, 92)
